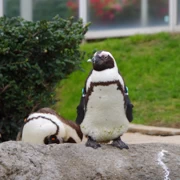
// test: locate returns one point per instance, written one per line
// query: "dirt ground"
(137, 138)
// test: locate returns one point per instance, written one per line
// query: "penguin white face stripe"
(103, 53)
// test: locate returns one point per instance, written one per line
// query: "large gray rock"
(22, 161)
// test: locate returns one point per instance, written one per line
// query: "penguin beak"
(93, 60)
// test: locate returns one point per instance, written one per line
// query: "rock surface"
(22, 161)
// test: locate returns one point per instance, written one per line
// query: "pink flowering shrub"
(73, 6)
(109, 10)
(103, 9)
(106, 9)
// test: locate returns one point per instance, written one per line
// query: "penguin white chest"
(105, 117)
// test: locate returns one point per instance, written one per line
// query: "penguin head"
(102, 60)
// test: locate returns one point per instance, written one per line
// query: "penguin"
(105, 110)
(46, 127)
(0, 137)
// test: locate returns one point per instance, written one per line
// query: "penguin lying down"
(105, 109)
(46, 127)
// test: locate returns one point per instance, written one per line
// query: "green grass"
(150, 65)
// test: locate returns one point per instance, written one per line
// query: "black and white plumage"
(105, 109)
(46, 127)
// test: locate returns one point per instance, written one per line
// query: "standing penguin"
(105, 109)
(46, 127)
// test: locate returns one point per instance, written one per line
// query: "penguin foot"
(51, 140)
(92, 143)
(119, 144)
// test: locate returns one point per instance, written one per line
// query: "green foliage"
(150, 66)
(34, 56)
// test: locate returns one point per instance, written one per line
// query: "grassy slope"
(150, 65)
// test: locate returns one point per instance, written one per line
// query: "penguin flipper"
(129, 108)
(128, 105)
(80, 111)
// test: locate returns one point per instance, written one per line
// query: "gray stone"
(22, 161)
